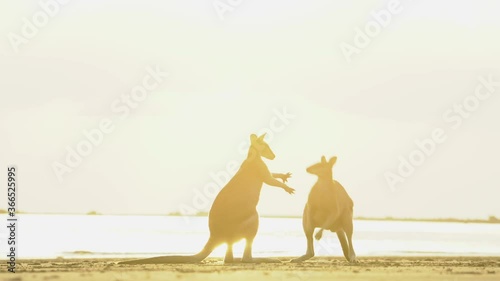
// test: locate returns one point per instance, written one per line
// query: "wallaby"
(328, 207)
(233, 215)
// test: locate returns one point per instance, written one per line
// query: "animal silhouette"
(328, 207)
(233, 215)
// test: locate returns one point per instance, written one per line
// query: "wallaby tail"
(207, 250)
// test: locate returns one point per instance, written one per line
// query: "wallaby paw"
(286, 176)
(319, 234)
(289, 190)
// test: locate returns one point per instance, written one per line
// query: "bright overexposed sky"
(227, 79)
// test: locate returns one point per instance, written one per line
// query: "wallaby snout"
(312, 170)
(269, 154)
(323, 168)
(261, 147)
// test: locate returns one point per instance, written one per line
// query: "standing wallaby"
(328, 207)
(233, 215)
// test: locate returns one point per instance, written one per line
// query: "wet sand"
(319, 268)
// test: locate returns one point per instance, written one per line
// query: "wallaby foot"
(260, 260)
(352, 257)
(302, 258)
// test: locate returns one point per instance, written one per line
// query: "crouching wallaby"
(328, 207)
(233, 215)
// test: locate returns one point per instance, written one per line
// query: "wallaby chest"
(322, 195)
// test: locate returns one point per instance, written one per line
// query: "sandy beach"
(319, 268)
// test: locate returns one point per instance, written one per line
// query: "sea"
(102, 236)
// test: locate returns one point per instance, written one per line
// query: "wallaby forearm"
(277, 175)
(274, 182)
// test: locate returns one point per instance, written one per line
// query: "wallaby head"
(323, 169)
(261, 147)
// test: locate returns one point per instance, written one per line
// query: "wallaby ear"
(261, 138)
(253, 138)
(323, 159)
(332, 160)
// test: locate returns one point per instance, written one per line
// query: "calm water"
(50, 236)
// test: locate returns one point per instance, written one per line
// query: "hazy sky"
(227, 79)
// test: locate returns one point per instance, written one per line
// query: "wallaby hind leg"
(250, 228)
(247, 254)
(229, 254)
(310, 246)
(343, 242)
(309, 231)
(349, 228)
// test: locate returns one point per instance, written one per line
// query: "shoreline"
(491, 220)
(318, 268)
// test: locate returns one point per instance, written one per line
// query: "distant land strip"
(491, 219)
